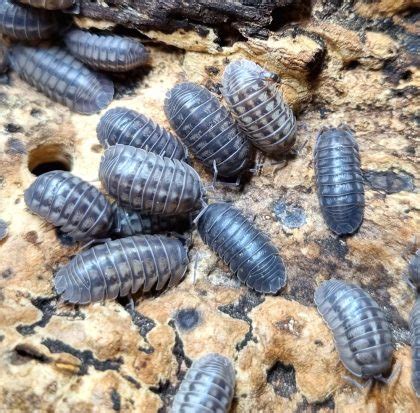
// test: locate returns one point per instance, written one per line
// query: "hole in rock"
(48, 158)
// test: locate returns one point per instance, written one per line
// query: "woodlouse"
(339, 179)
(248, 252)
(207, 129)
(259, 107)
(68, 202)
(148, 182)
(62, 78)
(122, 267)
(361, 332)
(415, 346)
(107, 52)
(25, 23)
(208, 386)
(49, 4)
(414, 270)
(127, 127)
(4, 230)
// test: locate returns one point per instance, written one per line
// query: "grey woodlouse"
(127, 222)
(49, 4)
(339, 179)
(259, 107)
(142, 180)
(208, 386)
(68, 202)
(414, 271)
(107, 52)
(249, 253)
(207, 129)
(415, 346)
(361, 332)
(62, 78)
(127, 127)
(4, 230)
(25, 23)
(122, 267)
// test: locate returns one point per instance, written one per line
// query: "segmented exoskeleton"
(49, 4)
(415, 346)
(122, 267)
(127, 127)
(259, 107)
(148, 182)
(414, 271)
(62, 78)
(361, 332)
(339, 179)
(248, 252)
(107, 52)
(207, 129)
(70, 203)
(208, 386)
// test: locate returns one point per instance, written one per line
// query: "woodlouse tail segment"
(392, 378)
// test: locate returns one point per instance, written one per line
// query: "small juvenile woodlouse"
(122, 267)
(25, 23)
(68, 202)
(415, 346)
(208, 386)
(62, 78)
(107, 52)
(259, 107)
(361, 332)
(49, 4)
(127, 127)
(142, 180)
(248, 252)
(339, 179)
(414, 271)
(207, 129)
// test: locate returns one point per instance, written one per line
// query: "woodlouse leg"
(409, 283)
(214, 174)
(259, 164)
(195, 267)
(364, 387)
(94, 241)
(131, 305)
(299, 150)
(393, 376)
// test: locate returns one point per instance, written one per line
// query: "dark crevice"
(293, 11)
(390, 182)
(187, 319)
(283, 379)
(24, 353)
(116, 400)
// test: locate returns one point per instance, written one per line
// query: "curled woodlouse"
(127, 222)
(25, 23)
(415, 346)
(68, 202)
(414, 270)
(127, 127)
(259, 107)
(106, 52)
(339, 179)
(207, 128)
(49, 4)
(62, 78)
(248, 252)
(151, 183)
(361, 332)
(208, 386)
(122, 267)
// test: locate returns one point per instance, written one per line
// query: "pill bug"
(127, 222)
(62, 78)
(148, 182)
(258, 107)
(208, 386)
(107, 52)
(68, 202)
(49, 4)
(25, 23)
(414, 270)
(248, 252)
(207, 129)
(3, 229)
(339, 179)
(415, 346)
(127, 127)
(361, 332)
(122, 267)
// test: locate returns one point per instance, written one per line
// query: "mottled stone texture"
(340, 61)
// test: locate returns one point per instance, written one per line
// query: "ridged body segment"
(49, 4)
(208, 386)
(122, 267)
(142, 180)
(207, 129)
(249, 253)
(62, 78)
(127, 127)
(339, 180)
(25, 23)
(259, 107)
(107, 52)
(414, 270)
(361, 332)
(415, 346)
(70, 203)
